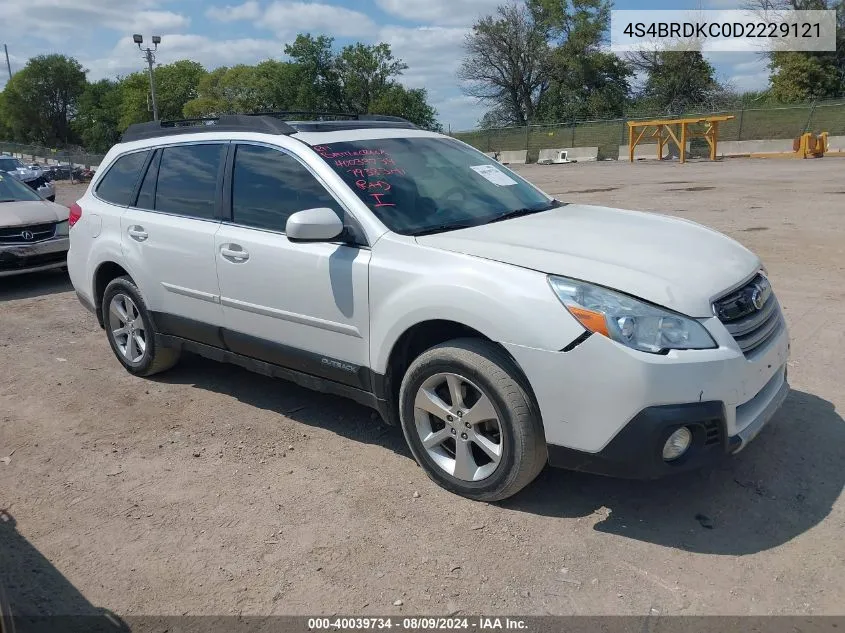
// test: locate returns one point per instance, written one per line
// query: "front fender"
(411, 284)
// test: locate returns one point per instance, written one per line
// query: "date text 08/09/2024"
(418, 624)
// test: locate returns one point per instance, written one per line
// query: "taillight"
(75, 214)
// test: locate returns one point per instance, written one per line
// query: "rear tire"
(470, 422)
(129, 329)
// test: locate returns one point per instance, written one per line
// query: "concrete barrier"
(516, 157)
(836, 144)
(744, 148)
(490, 155)
(649, 151)
(580, 154)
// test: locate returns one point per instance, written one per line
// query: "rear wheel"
(130, 331)
(469, 422)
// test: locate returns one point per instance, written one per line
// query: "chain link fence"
(61, 164)
(777, 122)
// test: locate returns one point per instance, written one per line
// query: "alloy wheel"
(127, 328)
(458, 426)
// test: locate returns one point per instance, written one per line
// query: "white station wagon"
(500, 328)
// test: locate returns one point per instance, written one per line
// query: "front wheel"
(469, 421)
(130, 330)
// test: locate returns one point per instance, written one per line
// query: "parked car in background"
(33, 231)
(34, 178)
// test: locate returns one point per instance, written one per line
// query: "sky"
(426, 34)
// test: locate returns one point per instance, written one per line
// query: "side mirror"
(314, 225)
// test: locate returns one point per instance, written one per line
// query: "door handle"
(234, 253)
(137, 233)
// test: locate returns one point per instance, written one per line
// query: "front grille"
(35, 183)
(751, 314)
(9, 262)
(27, 234)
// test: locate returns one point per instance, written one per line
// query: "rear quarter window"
(118, 185)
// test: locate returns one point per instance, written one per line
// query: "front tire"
(469, 421)
(129, 329)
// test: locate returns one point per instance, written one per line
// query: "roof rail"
(320, 116)
(317, 115)
(381, 117)
(223, 123)
(340, 126)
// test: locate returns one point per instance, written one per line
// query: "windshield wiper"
(516, 213)
(9, 200)
(440, 228)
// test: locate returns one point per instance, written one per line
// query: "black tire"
(524, 452)
(155, 359)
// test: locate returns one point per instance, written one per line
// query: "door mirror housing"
(314, 225)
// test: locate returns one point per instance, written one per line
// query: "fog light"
(677, 444)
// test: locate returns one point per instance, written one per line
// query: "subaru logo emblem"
(27, 235)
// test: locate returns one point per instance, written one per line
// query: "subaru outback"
(500, 328)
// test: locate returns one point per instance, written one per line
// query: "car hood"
(668, 261)
(24, 173)
(31, 212)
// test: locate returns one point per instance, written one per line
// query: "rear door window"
(188, 177)
(118, 185)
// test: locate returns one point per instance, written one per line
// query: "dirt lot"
(212, 490)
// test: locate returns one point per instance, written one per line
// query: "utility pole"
(8, 65)
(150, 58)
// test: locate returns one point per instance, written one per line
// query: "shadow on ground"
(783, 484)
(30, 285)
(36, 597)
(780, 486)
(332, 413)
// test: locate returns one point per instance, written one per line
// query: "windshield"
(9, 164)
(425, 185)
(13, 190)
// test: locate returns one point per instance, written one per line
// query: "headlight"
(62, 229)
(629, 321)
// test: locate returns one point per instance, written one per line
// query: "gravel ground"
(210, 490)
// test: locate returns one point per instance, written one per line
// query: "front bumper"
(27, 258)
(636, 452)
(608, 409)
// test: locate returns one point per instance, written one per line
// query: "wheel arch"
(418, 338)
(104, 273)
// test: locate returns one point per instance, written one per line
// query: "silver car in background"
(31, 176)
(33, 231)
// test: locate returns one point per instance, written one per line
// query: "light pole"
(150, 57)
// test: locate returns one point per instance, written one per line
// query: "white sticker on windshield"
(493, 175)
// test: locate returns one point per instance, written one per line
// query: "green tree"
(268, 86)
(543, 61)
(320, 88)
(98, 116)
(585, 81)
(802, 76)
(364, 73)
(677, 82)
(176, 85)
(209, 100)
(507, 63)
(40, 100)
(798, 76)
(396, 100)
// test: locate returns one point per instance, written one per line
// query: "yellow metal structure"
(664, 133)
(808, 145)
